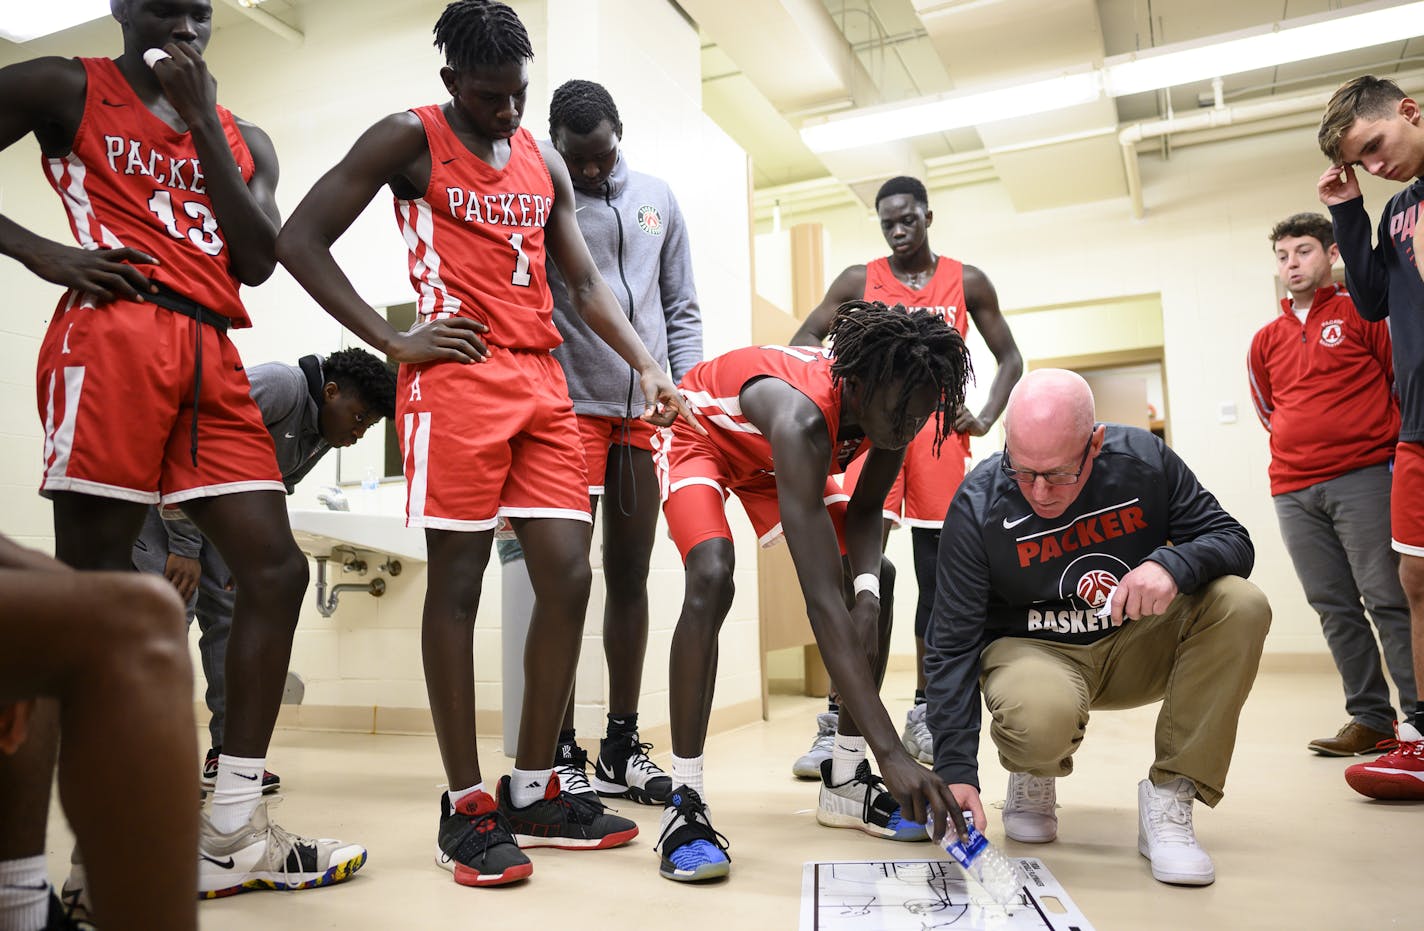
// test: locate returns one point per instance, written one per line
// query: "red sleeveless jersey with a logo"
(476, 238)
(943, 293)
(132, 180)
(713, 390)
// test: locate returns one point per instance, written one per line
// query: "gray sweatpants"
(211, 603)
(1338, 535)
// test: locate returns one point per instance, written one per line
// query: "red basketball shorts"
(115, 391)
(1406, 499)
(600, 434)
(695, 481)
(926, 484)
(489, 440)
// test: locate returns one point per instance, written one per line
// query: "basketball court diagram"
(926, 895)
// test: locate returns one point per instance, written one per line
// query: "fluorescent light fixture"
(1365, 25)
(1275, 44)
(950, 111)
(27, 20)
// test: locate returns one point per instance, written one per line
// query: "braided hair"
(481, 33)
(579, 106)
(876, 344)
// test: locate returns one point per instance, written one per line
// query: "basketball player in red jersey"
(915, 276)
(142, 395)
(781, 421)
(483, 410)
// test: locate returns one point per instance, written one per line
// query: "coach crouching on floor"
(1059, 593)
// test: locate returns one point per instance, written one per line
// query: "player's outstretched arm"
(594, 302)
(46, 97)
(848, 286)
(394, 152)
(982, 302)
(801, 448)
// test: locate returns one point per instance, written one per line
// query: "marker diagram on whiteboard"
(925, 895)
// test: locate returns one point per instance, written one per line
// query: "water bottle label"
(965, 854)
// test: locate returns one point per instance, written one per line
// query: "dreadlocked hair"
(876, 344)
(481, 33)
(579, 106)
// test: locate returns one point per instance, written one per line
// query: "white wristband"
(867, 582)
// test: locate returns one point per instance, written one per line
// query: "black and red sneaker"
(563, 821)
(476, 845)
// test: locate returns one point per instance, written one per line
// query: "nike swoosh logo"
(1011, 524)
(446, 161)
(225, 864)
(291, 436)
(245, 776)
(584, 207)
(109, 103)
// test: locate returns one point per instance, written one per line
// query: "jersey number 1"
(521, 261)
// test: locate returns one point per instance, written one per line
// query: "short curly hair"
(1313, 225)
(579, 106)
(904, 185)
(361, 373)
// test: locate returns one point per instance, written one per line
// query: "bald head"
(1049, 409)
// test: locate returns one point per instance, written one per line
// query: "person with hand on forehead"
(483, 411)
(1084, 568)
(1371, 123)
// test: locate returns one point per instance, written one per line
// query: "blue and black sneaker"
(862, 802)
(691, 849)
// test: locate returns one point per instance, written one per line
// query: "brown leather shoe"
(1354, 738)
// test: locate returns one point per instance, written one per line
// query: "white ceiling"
(754, 57)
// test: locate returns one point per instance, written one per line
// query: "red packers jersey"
(476, 238)
(713, 389)
(132, 180)
(943, 294)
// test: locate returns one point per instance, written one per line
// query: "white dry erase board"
(927, 895)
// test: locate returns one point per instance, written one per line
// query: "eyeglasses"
(1028, 476)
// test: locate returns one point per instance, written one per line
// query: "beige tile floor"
(1294, 847)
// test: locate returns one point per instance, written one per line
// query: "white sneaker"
(917, 739)
(809, 764)
(862, 802)
(1029, 811)
(261, 855)
(1165, 835)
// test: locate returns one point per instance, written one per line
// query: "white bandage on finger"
(867, 582)
(154, 55)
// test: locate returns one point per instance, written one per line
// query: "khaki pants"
(1199, 658)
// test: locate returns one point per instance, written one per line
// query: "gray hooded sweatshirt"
(636, 234)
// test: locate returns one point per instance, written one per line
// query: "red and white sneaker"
(1399, 774)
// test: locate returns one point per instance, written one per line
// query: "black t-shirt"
(1006, 572)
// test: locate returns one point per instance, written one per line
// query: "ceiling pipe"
(1219, 116)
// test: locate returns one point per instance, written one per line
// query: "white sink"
(319, 532)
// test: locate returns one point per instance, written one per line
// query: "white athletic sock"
(455, 796)
(847, 755)
(687, 771)
(237, 791)
(526, 786)
(24, 894)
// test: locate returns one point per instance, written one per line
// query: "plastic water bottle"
(1000, 876)
(370, 484)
